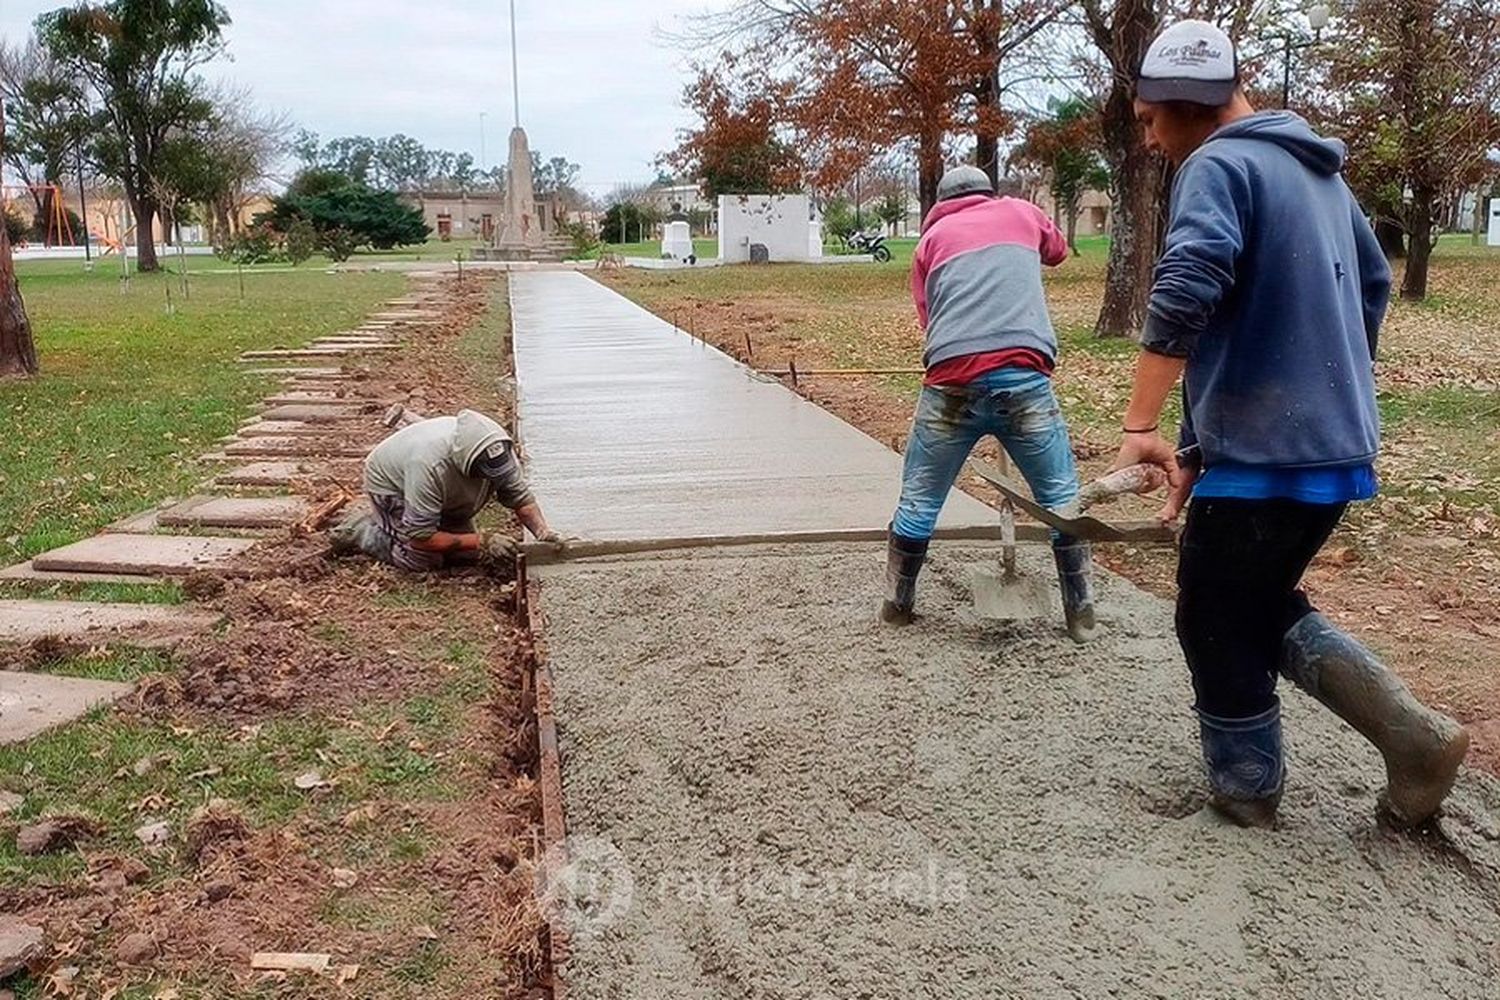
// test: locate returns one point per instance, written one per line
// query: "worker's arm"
(1156, 375)
(531, 517)
(447, 541)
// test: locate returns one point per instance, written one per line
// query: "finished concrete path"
(637, 431)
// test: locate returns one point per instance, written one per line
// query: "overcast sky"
(596, 84)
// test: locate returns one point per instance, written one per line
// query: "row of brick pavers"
(304, 435)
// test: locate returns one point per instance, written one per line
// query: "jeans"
(1017, 406)
(1237, 596)
(390, 513)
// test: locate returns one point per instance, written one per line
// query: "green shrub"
(301, 241)
(17, 226)
(377, 218)
(260, 244)
(585, 243)
(338, 243)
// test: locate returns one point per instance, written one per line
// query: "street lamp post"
(1318, 16)
(83, 205)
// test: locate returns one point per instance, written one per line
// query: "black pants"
(1237, 580)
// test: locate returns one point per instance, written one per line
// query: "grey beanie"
(964, 180)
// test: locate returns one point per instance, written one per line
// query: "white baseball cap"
(1191, 61)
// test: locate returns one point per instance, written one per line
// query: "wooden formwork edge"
(549, 764)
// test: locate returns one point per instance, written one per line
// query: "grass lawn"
(131, 394)
(414, 764)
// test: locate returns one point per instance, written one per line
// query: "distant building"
(475, 214)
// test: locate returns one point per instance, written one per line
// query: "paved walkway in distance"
(637, 431)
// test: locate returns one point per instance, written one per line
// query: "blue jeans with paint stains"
(1018, 407)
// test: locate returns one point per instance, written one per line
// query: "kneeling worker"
(425, 484)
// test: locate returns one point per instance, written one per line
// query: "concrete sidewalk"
(637, 431)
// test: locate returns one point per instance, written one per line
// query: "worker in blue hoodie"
(1267, 302)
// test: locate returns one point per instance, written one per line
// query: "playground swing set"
(59, 228)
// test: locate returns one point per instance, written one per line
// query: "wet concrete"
(636, 430)
(770, 794)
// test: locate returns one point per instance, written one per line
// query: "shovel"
(1010, 597)
(1007, 595)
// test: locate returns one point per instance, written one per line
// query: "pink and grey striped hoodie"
(977, 278)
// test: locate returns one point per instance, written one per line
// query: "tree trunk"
(1480, 214)
(17, 349)
(986, 143)
(1133, 237)
(1073, 227)
(929, 169)
(1391, 236)
(1414, 284)
(145, 209)
(1124, 36)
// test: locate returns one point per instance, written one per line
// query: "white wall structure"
(782, 222)
(1495, 222)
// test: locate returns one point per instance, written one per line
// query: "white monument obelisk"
(519, 236)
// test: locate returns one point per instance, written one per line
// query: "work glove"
(495, 547)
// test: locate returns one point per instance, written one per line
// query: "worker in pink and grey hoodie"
(989, 354)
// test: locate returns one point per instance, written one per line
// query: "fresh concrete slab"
(636, 430)
(101, 624)
(149, 555)
(293, 447)
(235, 512)
(773, 794)
(33, 703)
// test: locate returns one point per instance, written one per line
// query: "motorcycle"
(872, 244)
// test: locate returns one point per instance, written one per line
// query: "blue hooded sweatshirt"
(1273, 286)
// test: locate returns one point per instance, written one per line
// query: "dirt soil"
(1418, 582)
(307, 637)
(771, 795)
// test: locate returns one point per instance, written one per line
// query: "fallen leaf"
(345, 974)
(425, 932)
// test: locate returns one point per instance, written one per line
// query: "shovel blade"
(1016, 598)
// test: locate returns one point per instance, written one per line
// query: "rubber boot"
(1422, 747)
(360, 532)
(1243, 760)
(903, 561)
(1075, 576)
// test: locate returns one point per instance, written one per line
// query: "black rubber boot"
(1243, 760)
(1075, 575)
(1423, 748)
(903, 561)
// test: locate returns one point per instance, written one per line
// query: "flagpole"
(515, 71)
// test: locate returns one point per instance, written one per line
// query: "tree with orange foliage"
(862, 76)
(738, 148)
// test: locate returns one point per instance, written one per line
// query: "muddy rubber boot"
(1242, 758)
(1422, 747)
(1075, 576)
(359, 532)
(903, 561)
